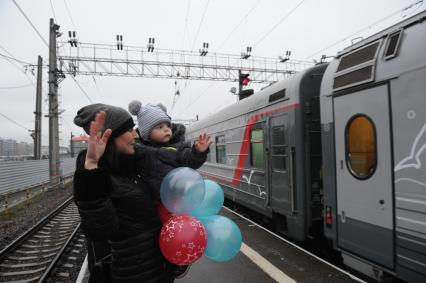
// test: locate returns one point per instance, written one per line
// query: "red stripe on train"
(238, 173)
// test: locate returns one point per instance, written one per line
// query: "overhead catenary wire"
(237, 26)
(84, 92)
(229, 35)
(278, 23)
(16, 60)
(14, 122)
(198, 97)
(10, 58)
(186, 24)
(67, 124)
(199, 26)
(14, 87)
(73, 24)
(365, 28)
(53, 11)
(42, 38)
(202, 19)
(25, 63)
(11, 62)
(29, 21)
(69, 14)
(175, 97)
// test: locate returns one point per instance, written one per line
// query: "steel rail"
(34, 228)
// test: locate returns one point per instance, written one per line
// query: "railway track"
(48, 251)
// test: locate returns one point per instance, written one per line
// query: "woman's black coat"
(119, 209)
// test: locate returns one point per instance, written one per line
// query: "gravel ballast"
(19, 218)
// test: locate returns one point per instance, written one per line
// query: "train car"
(267, 153)
(337, 151)
(373, 119)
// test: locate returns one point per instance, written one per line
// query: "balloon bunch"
(191, 226)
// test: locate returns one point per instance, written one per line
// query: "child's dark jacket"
(156, 160)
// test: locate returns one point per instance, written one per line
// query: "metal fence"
(18, 175)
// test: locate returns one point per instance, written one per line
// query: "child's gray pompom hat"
(148, 116)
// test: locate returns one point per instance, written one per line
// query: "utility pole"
(53, 109)
(37, 127)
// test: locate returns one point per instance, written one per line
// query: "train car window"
(256, 148)
(392, 44)
(276, 96)
(220, 149)
(278, 135)
(209, 157)
(361, 150)
(279, 148)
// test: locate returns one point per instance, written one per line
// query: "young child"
(163, 148)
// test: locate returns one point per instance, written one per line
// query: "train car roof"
(403, 24)
(258, 100)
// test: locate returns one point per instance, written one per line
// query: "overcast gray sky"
(313, 26)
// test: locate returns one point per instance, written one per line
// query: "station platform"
(264, 257)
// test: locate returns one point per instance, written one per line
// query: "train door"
(280, 180)
(364, 174)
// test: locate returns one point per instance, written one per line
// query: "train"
(337, 151)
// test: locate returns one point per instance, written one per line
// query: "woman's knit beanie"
(117, 119)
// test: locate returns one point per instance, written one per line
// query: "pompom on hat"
(148, 116)
(117, 119)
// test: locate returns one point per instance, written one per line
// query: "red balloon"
(183, 239)
(163, 213)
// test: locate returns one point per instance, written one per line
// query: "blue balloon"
(223, 237)
(182, 190)
(212, 202)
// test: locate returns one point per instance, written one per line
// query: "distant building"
(78, 144)
(63, 150)
(8, 147)
(44, 150)
(23, 148)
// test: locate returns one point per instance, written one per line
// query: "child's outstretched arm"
(194, 156)
(202, 143)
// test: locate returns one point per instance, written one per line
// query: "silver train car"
(337, 151)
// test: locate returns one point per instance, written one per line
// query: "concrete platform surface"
(263, 258)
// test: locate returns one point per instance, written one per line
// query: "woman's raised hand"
(97, 141)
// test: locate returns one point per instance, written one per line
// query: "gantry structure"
(149, 62)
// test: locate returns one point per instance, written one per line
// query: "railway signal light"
(244, 79)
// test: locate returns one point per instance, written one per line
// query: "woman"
(114, 204)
